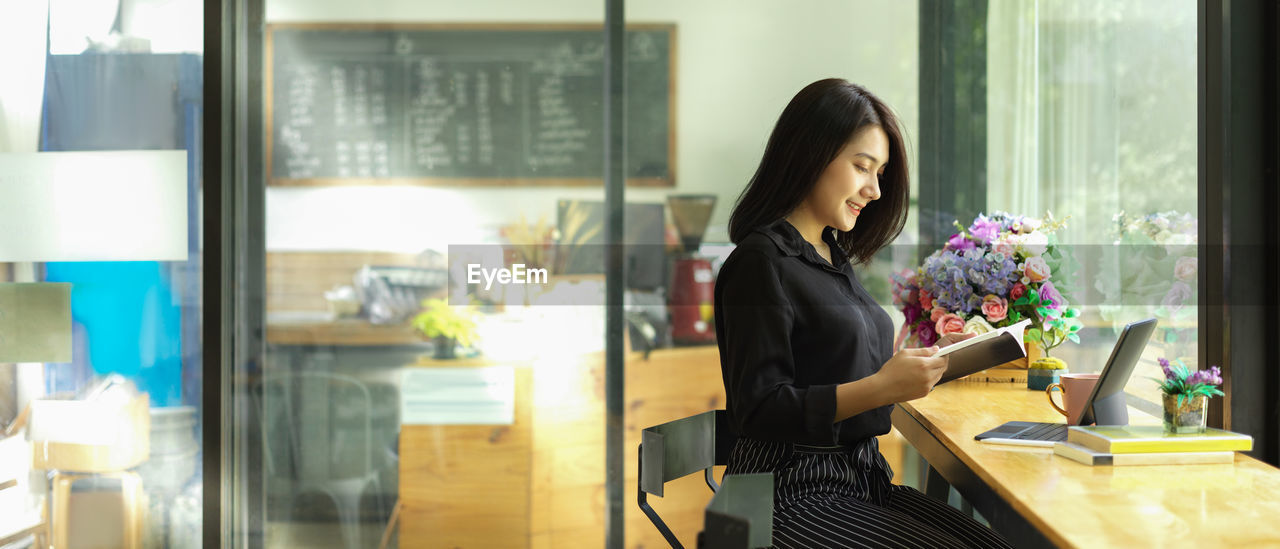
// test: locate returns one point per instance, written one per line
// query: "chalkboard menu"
(462, 104)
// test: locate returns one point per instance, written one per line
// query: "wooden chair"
(40, 530)
(678, 448)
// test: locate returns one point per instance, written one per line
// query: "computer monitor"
(1106, 404)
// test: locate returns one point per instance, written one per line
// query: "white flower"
(1032, 244)
(977, 325)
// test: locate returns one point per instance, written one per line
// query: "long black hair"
(811, 131)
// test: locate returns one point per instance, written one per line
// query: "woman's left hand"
(953, 338)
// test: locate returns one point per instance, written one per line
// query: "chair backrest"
(338, 408)
(741, 513)
(682, 447)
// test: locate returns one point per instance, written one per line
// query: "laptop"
(1105, 405)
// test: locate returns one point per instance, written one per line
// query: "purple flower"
(973, 303)
(959, 242)
(1212, 376)
(1048, 293)
(926, 334)
(984, 230)
(912, 314)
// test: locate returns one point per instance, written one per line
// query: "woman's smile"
(854, 207)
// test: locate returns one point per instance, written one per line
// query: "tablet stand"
(1112, 410)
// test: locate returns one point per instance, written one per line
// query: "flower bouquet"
(998, 271)
(1155, 260)
(1186, 395)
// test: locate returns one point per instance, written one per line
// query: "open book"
(979, 353)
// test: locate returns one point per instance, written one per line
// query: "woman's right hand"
(912, 373)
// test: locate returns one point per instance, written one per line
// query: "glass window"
(100, 304)
(1092, 115)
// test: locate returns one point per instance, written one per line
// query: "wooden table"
(1037, 499)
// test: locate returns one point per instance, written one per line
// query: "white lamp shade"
(93, 206)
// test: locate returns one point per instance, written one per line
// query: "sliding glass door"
(101, 111)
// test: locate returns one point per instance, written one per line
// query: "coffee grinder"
(692, 285)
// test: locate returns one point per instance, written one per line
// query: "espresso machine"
(692, 285)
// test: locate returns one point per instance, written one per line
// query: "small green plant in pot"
(1044, 371)
(447, 326)
(1186, 395)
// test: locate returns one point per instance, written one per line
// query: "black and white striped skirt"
(841, 496)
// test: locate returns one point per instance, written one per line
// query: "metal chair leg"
(937, 487)
(643, 502)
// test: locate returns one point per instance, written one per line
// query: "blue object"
(131, 323)
(1039, 379)
(132, 318)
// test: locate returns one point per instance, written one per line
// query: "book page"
(1014, 330)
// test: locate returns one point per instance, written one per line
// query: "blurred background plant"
(447, 325)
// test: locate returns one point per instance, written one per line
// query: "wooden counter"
(468, 485)
(343, 332)
(1074, 505)
(540, 482)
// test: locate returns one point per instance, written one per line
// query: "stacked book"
(1149, 445)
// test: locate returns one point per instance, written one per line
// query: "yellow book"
(1075, 452)
(1137, 439)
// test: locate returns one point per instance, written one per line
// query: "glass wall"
(100, 254)
(432, 276)
(411, 152)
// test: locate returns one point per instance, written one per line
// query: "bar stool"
(132, 504)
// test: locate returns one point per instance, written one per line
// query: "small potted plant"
(1186, 396)
(447, 326)
(1044, 372)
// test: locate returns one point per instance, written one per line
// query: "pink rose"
(1177, 296)
(926, 300)
(1003, 246)
(1185, 268)
(936, 313)
(1035, 269)
(949, 323)
(995, 308)
(1018, 291)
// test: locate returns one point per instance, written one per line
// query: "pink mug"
(1075, 390)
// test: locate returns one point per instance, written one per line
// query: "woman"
(806, 353)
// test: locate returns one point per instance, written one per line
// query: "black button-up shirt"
(791, 327)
